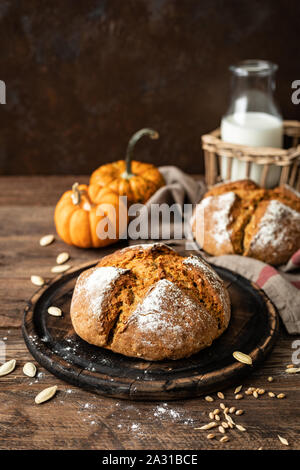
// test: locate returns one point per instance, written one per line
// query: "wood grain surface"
(76, 419)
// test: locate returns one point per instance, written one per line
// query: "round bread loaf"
(241, 218)
(147, 301)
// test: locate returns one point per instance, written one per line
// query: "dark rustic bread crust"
(241, 218)
(236, 186)
(159, 305)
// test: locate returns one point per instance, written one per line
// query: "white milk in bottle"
(253, 118)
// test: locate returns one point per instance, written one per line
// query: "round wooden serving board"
(54, 344)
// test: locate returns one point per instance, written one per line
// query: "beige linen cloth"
(282, 285)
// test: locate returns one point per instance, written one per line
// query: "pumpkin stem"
(76, 196)
(151, 133)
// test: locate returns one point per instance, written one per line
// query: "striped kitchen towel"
(281, 284)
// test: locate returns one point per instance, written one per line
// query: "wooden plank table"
(76, 419)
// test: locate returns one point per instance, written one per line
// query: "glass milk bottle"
(253, 117)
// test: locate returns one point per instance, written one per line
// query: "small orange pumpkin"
(82, 223)
(136, 180)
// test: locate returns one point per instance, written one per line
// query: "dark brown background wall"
(82, 76)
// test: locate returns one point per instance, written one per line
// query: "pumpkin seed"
(240, 428)
(62, 257)
(241, 357)
(29, 369)
(37, 280)
(45, 394)
(293, 370)
(7, 367)
(55, 311)
(208, 398)
(283, 440)
(229, 419)
(238, 396)
(46, 240)
(60, 268)
(208, 426)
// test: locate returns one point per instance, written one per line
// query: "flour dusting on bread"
(210, 274)
(145, 247)
(270, 231)
(97, 285)
(153, 314)
(221, 216)
(199, 263)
